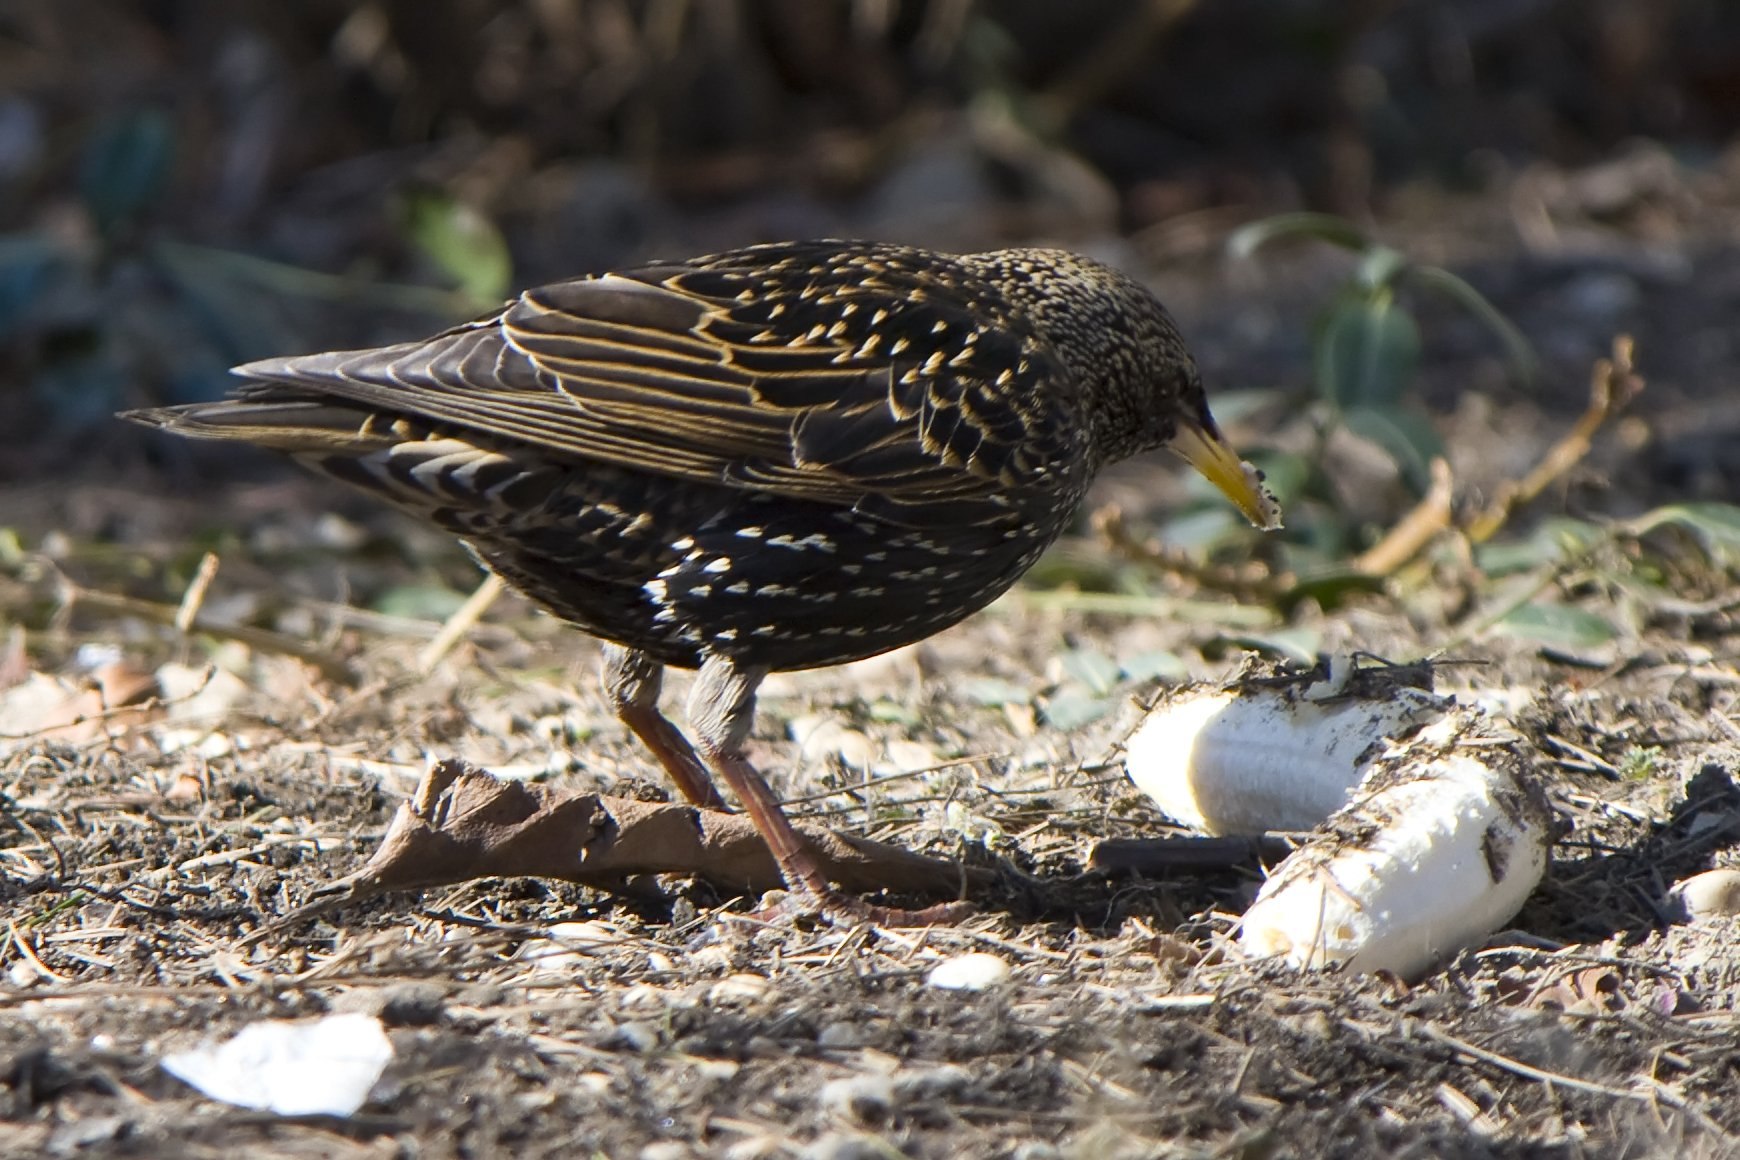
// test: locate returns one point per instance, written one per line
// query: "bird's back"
(797, 454)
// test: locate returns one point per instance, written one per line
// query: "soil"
(144, 850)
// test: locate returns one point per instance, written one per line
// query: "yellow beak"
(1203, 448)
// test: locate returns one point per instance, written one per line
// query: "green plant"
(1366, 352)
(106, 308)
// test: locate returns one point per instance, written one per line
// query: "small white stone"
(1712, 894)
(977, 971)
(865, 1098)
(741, 988)
(634, 1036)
(568, 945)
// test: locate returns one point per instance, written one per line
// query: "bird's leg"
(632, 681)
(721, 711)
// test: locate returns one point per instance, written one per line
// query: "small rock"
(567, 945)
(1712, 894)
(932, 1082)
(90, 1136)
(199, 694)
(1035, 1150)
(977, 971)
(821, 737)
(905, 756)
(633, 1036)
(666, 1150)
(740, 988)
(840, 1036)
(411, 1005)
(865, 1098)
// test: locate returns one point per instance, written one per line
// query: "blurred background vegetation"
(185, 184)
(188, 184)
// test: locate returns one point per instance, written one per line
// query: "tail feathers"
(290, 425)
(462, 486)
(336, 366)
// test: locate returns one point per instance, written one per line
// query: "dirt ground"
(143, 847)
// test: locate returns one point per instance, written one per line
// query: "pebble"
(840, 1036)
(977, 971)
(820, 737)
(410, 1005)
(634, 1036)
(567, 945)
(740, 988)
(865, 1098)
(1712, 894)
(932, 1082)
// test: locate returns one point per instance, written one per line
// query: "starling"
(774, 458)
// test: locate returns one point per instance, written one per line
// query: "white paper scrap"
(313, 1067)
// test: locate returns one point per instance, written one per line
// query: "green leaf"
(1558, 626)
(994, 691)
(1155, 665)
(1097, 671)
(892, 712)
(1406, 434)
(1075, 707)
(1552, 541)
(125, 163)
(462, 242)
(1367, 353)
(1294, 644)
(1718, 524)
(1523, 363)
(1320, 227)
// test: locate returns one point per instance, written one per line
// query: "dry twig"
(1613, 384)
(461, 622)
(1409, 537)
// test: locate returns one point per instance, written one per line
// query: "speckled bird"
(775, 458)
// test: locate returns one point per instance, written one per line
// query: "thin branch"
(261, 639)
(1613, 384)
(1409, 537)
(461, 622)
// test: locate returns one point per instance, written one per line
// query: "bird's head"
(1124, 352)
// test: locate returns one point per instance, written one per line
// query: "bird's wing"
(882, 387)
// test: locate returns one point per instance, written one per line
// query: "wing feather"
(846, 374)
